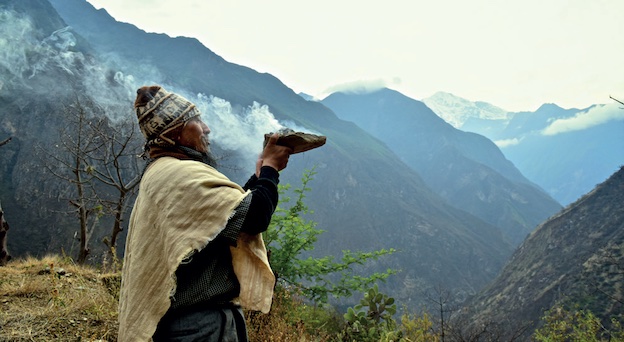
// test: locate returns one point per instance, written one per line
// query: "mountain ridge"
(542, 153)
(363, 196)
(570, 259)
(457, 110)
(466, 169)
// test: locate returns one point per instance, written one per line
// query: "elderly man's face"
(195, 135)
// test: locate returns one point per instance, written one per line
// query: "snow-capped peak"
(456, 110)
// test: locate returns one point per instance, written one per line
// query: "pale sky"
(513, 54)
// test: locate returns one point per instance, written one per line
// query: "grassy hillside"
(54, 299)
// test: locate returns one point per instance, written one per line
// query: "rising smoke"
(30, 59)
(16, 42)
(237, 131)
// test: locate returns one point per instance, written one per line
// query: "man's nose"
(205, 128)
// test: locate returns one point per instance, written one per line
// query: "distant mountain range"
(392, 174)
(565, 151)
(466, 169)
(458, 111)
(364, 196)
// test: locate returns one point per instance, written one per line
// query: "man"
(194, 252)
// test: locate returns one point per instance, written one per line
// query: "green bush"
(578, 325)
(291, 234)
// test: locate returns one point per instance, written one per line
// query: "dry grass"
(284, 322)
(40, 304)
(37, 303)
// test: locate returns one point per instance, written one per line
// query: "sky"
(513, 54)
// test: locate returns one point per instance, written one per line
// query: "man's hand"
(274, 155)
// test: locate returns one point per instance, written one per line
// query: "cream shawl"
(182, 205)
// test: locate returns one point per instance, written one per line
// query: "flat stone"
(297, 141)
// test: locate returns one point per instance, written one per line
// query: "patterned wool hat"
(160, 112)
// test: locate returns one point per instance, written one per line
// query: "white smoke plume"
(594, 116)
(26, 58)
(16, 42)
(242, 130)
(24, 55)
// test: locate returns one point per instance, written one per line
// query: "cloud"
(362, 86)
(594, 116)
(27, 57)
(507, 142)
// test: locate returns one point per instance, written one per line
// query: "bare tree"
(69, 162)
(116, 165)
(460, 329)
(4, 228)
(5, 141)
(616, 100)
(441, 297)
(100, 159)
(456, 324)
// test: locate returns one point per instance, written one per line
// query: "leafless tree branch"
(5, 141)
(616, 100)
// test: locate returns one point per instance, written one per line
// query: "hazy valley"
(496, 225)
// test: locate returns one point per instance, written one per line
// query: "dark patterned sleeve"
(253, 214)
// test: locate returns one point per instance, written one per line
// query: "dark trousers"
(203, 325)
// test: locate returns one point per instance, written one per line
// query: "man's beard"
(205, 157)
(209, 159)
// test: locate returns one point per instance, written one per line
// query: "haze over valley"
(475, 199)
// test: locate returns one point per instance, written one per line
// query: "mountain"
(458, 111)
(567, 162)
(565, 151)
(525, 123)
(363, 195)
(307, 97)
(466, 169)
(574, 259)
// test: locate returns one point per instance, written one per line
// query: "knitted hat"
(160, 112)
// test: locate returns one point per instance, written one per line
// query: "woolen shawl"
(182, 205)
